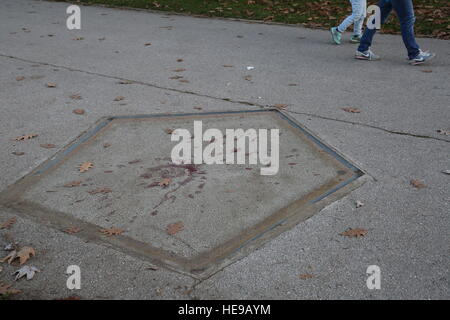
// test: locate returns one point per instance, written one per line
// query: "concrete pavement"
(394, 139)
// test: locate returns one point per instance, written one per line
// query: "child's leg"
(357, 9)
(358, 24)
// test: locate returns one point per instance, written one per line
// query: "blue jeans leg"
(366, 40)
(405, 13)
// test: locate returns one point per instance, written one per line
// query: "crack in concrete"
(254, 104)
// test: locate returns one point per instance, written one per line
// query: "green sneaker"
(355, 38)
(335, 35)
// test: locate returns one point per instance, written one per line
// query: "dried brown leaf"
(79, 111)
(111, 231)
(26, 137)
(25, 253)
(51, 85)
(164, 182)
(305, 276)
(72, 230)
(72, 184)
(351, 110)
(5, 289)
(48, 145)
(358, 232)
(85, 166)
(417, 184)
(103, 190)
(8, 223)
(119, 98)
(174, 228)
(20, 78)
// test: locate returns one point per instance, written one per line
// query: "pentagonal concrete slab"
(224, 211)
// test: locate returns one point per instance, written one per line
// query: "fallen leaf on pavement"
(179, 70)
(100, 190)
(179, 60)
(184, 81)
(72, 230)
(248, 78)
(228, 66)
(164, 182)
(147, 44)
(111, 232)
(10, 257)
(176, 77)
(8, 223)
(5, 289)
(358, 232)
(25, 253)
(280, 106)
(18, 153)
(26, 137)
(351, 110)
(305, 276)
(85, 166)
(119, 98)
(427, 71)
(78, 38)
(417, 184)
(51, 85)
(168, 131)
(79, 111)
(20, 78)
(125, 82)
(174, 228)
(48, 145)
(444, 132)
(75, 96)
(28, 271)
(72, 184)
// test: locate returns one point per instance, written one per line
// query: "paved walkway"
(394, 139)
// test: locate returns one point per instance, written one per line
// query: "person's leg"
(357, 25)
(405, 13)
(355, 16)
(366, 40)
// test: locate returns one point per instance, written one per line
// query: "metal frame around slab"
(204, 264)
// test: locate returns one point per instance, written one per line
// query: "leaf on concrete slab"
(280, 106)
(124, 81)
(358, 232)
(48, 145)
(79, 111)
(78, 38)
(179, 70)
(168, 130)
(72, 230)
(25, 253)
(248, 78)
(26, 137)
(20, 78)
(305, 276)
(28, 271)
(102, 190)
(444, 132)
(119, 98)
(72, 184)
(51, 85)
(85, 166)
(10, 257)
(164, 182)
(5, 289)
(8, 223)
(417, 184)
(111, 231)
(351, 110)
(75, 96)
(183, 81)
(18, 153)
(227, 66)
(176, 77)
(147, 44)
(174, 228)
